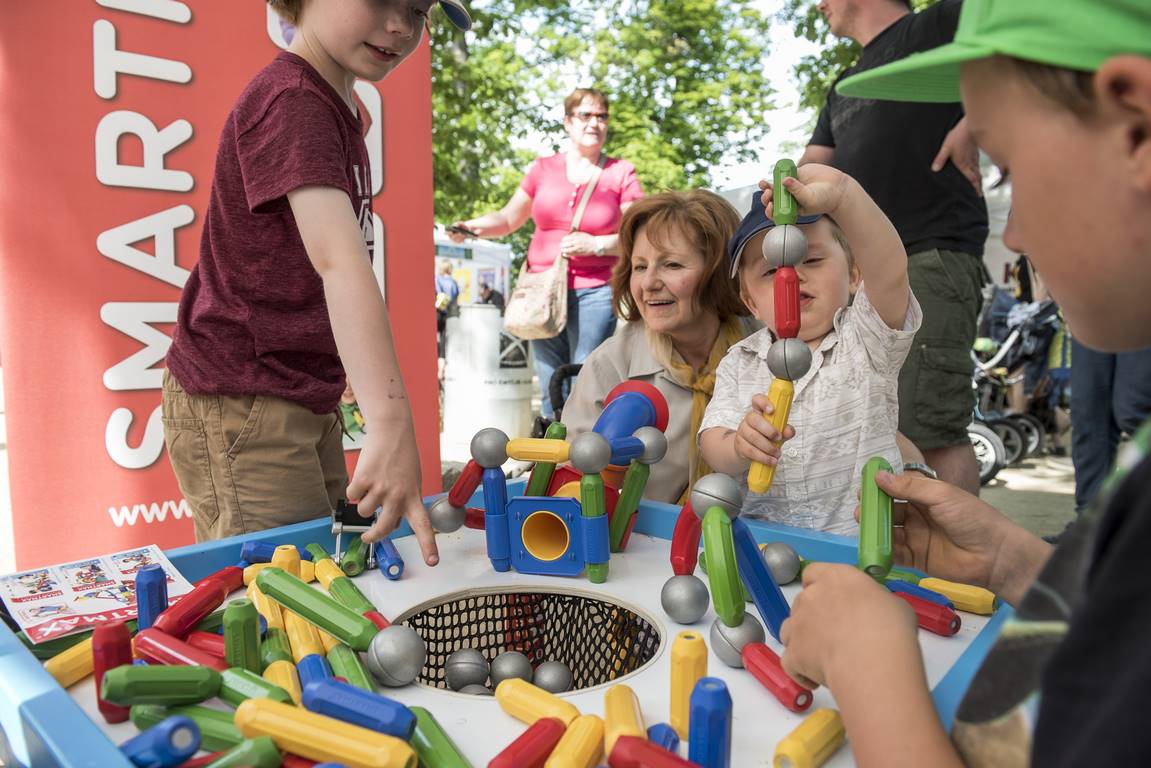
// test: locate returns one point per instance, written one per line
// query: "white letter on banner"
(161, 227)
(133, 318)
(116, 440)
(107, 63)
(168, 10)
(152, 174)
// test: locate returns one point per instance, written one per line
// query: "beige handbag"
(538, 306)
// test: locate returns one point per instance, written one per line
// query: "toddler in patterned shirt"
(858, 317)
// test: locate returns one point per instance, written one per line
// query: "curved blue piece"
(359, 707)
(766, 594)
(262, 551)
(312, 668)
(496, 518)
(709, 724)
(624, 449)
(151, 594)
(167, 743)
(388, 559)
(931, 596)
(623, 416)
(663, 735)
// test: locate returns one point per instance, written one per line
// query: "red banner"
(110, 111)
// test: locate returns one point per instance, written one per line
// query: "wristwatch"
(917, 466)
(599, 250)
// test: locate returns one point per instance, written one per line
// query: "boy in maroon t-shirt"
(283, 298)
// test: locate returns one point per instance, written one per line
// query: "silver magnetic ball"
(490, 448)
(553, 676)
(396, 655)
(508, 665)
(782, 561)
(444, 517)
(465, 667)
(727, 642)
(654, 444)
(590, 453)
(716, 490)
(684, 598)
(477, 690)
(788, 359)
(785, 246)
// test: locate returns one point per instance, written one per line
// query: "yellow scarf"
(702, 384)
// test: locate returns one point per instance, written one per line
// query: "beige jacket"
(626, 356)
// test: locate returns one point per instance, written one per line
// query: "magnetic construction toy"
(568, 520)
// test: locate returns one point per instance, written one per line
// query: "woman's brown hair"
(707, 221)
(574, 99)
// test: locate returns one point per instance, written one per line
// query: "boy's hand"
(757, 439)
(948, 533)
(387, 478)
(818, 189)
(843, 620)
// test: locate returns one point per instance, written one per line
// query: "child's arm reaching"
(878, 251)
(388, 472)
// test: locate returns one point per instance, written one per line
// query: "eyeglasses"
(586, 117)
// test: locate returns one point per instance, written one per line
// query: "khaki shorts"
(252, 462)
(935, 395)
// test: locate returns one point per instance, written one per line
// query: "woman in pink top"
(550, 194)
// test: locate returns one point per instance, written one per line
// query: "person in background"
(918, 162)
(490, 296)
(447, 305)
(682, 313)
(549, 194)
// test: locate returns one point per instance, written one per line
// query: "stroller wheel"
(1034, 434)
(989, 451)
(1013, 441)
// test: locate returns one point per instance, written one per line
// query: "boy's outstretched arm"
(852, 635)
(731, 451)
(387, 475)
(878, 251)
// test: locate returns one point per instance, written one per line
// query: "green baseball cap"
(1071, 34)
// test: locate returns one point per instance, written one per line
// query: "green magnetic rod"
(324, 612)
(875, 523)
(784, 208)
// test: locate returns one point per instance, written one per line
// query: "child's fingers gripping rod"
(788, 358)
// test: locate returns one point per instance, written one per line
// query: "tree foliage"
(685, 79)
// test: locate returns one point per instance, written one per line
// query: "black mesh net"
(598, 640)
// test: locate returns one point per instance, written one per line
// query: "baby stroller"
(1015, 353)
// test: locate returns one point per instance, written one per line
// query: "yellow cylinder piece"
(581, 746)
(272, 612)
(528, 703)
(621, 716)
(538, 449)
(73, 665)
(252, 571)
(283, 673)
(966, 597)
(327, 641)
(326, 570)
(320, 738)
(688, 665)
(302, 635)
(307, 571)
(760, 476)
(287, 558)
(812, 742)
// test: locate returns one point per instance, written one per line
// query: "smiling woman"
(671, 284)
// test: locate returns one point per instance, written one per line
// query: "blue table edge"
(40, 724)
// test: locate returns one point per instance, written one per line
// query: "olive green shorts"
(935, 395)
(247, 463)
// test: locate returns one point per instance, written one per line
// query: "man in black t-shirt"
(920, 165)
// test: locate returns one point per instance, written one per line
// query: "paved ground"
(1038, 493)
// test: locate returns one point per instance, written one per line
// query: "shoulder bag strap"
(595, 174)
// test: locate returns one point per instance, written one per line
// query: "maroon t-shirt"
(253, 320)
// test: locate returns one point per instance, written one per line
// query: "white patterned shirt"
(845, 410)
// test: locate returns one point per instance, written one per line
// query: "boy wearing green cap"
(1059, 95)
